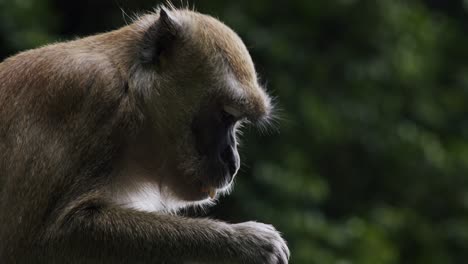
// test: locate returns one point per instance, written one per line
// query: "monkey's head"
(199, 86)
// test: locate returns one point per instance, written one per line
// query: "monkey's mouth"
(216, 179)
(210, 191)
(213, 189)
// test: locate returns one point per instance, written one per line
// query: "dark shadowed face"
(205, 150)
(214, 133)
(203, 147)
(200, 140)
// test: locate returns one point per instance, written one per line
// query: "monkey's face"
(214, 138)
(200, 141)
(206, 87)
(209, 158)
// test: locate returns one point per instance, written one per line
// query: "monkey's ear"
(158, 40)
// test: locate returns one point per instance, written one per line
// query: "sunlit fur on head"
(222, 48)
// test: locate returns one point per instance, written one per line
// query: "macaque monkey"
(104, 138)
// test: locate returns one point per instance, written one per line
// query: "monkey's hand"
(260, 244)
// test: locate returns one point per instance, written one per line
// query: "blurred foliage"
(371, 159)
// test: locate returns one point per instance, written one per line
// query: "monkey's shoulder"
(59, 76)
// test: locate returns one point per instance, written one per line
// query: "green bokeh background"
(370, 161)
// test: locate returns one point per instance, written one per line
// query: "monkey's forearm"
(128, 236)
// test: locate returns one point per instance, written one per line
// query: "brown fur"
(84, 120)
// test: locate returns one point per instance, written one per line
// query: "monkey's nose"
(231, 160)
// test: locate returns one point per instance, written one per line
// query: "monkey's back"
(63, 111)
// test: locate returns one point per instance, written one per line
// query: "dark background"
(371, 159)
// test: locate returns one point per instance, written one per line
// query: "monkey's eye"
(227, 118)
(230, 114)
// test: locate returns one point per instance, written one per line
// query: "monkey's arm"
(97, 231)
